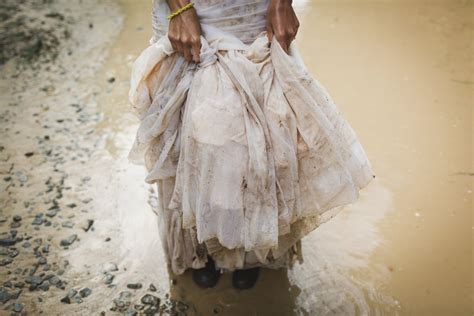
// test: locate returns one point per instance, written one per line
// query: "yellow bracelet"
(184, 8)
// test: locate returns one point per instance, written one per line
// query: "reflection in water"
(337, 249)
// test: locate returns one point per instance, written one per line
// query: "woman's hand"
(282, 22)
(184, 31)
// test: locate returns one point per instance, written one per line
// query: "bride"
(247, 150)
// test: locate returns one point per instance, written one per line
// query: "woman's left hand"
(282, 22)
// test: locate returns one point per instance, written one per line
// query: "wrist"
(286, 2)
(176, 4)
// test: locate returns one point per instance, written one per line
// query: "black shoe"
(208, 276)
(245, 279)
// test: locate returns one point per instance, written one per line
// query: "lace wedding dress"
(248, 151)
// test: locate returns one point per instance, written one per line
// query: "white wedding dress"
(249, 153)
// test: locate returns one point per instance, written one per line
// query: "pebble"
(68, 241)
(34, 280)
(149, 299)
(85, 292)
(68, 224)
(6, 261)
(123, 300)
(134, 286)
(54, 280)
(52, 212)
(88, 225)
(109, 278)
(4, 296)
(18, 307)
(5, 242)
(110, 267)
(46, 248)
(15, 224)
(38, 219)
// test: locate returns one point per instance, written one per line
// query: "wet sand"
(400, 73)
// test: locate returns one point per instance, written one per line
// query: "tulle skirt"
(247, 150)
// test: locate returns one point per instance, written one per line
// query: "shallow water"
(402, 75)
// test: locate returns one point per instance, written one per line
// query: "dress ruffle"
(248, 151)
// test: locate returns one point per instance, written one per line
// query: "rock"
(108, 278)
(181, 306)
(149, 299)
(68, 241)
(26, 244)
(22, 177)
(4, 296)
(134, 286)
(152, 287)
(13, 252)
(68, 224)
(88, 225)
(44, 286)
(85, 292)
(131, 311)
(110, 267)
(66, 299)
(18, 307)
(54, 280)
(48, 276)
(38, 219)
(153, 310)
(78, 299)
(72, 292)
(46, 248)
(15, 224)
(17, 218)
(34, 281)
(33, 269)
(52, 212)
(6, 261)
(123, 301)
(5, 242)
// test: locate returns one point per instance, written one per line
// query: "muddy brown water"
(402, 74)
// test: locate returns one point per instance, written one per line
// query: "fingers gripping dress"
(248, 152)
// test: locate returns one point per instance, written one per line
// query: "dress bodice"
(243, 18)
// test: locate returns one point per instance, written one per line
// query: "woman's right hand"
(184, 31)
